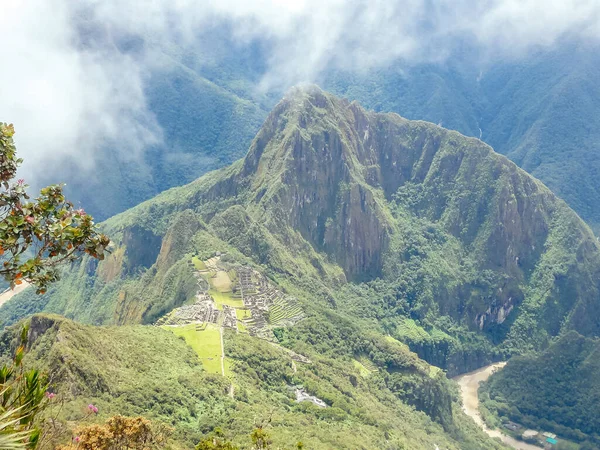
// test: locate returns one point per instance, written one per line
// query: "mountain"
(541, 111)
(410, 229)
(549, 126)
(555, 390)
(207, 114)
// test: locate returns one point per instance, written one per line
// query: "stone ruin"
(268, 306)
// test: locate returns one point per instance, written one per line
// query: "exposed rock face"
(38, 326)
(175, 242)
(303, 164)
(332, 171)
(142, 248)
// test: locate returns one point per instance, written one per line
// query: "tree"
(37, 236)
(216, 441)
(260, 439)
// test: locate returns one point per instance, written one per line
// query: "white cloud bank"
(69, 98)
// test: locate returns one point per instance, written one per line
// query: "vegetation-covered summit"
(423, 233)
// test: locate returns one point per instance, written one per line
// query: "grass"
(232, 275)
(411, 330)
(206, 343)
(395, 341)
(366, 363)
(243, 313)
(198, 263)
(221, 281)
(282, 310)
(225, 298)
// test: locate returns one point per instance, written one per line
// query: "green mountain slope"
(556, 390)
(206, 117)
(148, 370)
(414, 230)
(540, 111)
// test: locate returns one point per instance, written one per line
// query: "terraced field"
(198, 263)
(364, 372)
(239, 298)
(411, 330)
(284, 310)
(225, 298)
(396, 341)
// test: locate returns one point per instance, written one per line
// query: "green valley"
(148, 370)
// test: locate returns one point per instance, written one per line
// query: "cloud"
(64, 99)
(73, 88)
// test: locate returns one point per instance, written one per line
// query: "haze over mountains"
(541, 112)
(172, 103)
(321, 258)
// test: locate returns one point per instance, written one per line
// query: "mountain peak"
(330, 192)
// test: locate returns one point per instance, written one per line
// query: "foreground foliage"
(37, 236)
(22, 398)
(119, 433)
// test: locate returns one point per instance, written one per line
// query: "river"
(469, 385)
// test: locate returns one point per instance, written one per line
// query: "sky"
(71, 88)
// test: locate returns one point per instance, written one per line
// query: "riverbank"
(469, 385)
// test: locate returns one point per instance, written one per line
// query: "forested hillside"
(414, 230)
(403, 404)
(556, 390)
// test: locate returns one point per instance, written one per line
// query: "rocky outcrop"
(175, 243)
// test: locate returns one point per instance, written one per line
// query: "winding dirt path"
(222, 351)
(469, 385)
